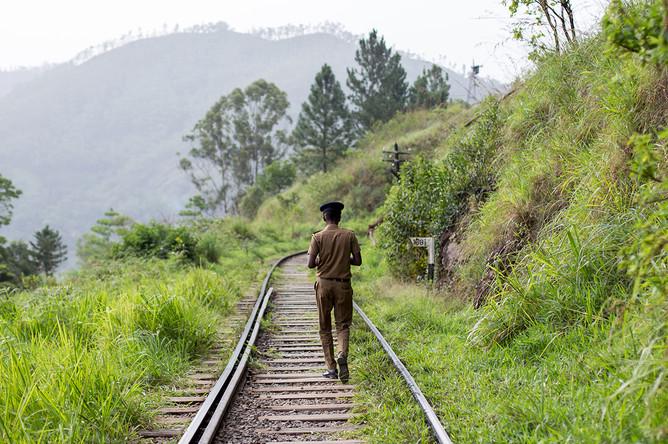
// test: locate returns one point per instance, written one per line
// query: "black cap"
(336, 206)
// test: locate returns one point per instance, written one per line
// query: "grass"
(89, 360)
(545, 384)
(570, 347)
(81, 361)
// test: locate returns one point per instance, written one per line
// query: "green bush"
(431, 195)
(157, 240)
(208, 248)
(638, 27)
(646, 258)
(275, 178)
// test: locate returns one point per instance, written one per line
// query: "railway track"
(271, 390)
(285, 398)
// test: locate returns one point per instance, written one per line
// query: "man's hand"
(313, 261)
(356, 259)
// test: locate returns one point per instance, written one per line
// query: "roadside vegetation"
(595, 382)
(82, 355)
(86, 360)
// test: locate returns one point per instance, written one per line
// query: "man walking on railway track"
(333, 250)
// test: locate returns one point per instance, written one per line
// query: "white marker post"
(428, 243)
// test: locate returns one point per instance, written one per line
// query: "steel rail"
(204, 425)
(434, 423)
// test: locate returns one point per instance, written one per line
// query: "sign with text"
(428, 243)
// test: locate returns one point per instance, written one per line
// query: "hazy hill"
(10, 79)
(81, 138)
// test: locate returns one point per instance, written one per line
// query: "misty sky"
(451, 32)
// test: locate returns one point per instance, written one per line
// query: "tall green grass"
(599, 380)
(80, 361)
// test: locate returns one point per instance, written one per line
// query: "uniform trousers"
(336, 295)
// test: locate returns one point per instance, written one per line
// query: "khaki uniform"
(334, 246)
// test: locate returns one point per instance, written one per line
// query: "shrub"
(157, 240)
(646, 258)
(208, 248)
(638, 27)
(431, 195)
(275, 178)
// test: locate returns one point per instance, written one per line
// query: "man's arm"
(313, 251)
(312, 261)
(356, 258)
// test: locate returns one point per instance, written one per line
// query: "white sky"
(453, 32)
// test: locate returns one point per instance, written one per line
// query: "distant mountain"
(80, 138)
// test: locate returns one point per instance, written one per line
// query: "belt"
(335, 279)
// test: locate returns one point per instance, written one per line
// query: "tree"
(195, 208)
(97, 244)
(48, 250)
(257, 111)
(430, 89)
(235, 140)
(378, 87)
(323, 130)
(7, 194)
(19, 260)
(276, 178)
(210, 162)
(535, 17)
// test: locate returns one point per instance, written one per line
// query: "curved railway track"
(271, 390)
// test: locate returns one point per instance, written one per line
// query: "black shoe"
(330, 374)
(343, 368)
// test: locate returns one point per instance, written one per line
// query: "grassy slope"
(361, 179)
(547, 385)
(564, 350)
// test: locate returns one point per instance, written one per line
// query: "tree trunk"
(566, 5)
(550, 21)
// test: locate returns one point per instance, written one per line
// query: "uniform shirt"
(334, 245)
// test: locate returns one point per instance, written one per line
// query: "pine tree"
(323, 130)
(379, 85)
(48, 250)
(430, 89)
